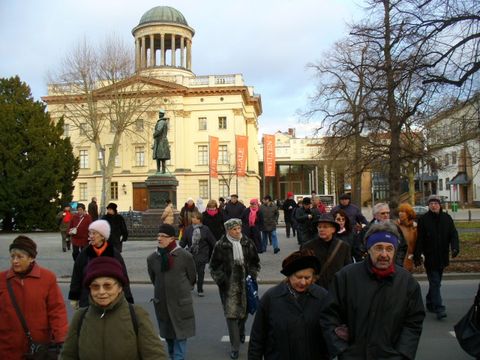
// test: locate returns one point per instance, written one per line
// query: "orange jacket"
(41, 302)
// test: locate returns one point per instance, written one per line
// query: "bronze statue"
(161, 149)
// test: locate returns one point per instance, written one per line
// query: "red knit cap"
(105, 266)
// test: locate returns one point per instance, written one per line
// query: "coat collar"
(34, 273)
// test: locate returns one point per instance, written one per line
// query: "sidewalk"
(135, 253)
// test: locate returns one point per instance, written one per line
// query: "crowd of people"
(348, 291)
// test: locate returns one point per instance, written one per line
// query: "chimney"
(291, 132)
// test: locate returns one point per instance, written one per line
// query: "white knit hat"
(102, 227)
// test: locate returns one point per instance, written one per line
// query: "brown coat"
(409, 231)
(167, 215)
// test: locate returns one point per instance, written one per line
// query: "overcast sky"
(268, 41)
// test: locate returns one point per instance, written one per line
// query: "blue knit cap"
(382, 236)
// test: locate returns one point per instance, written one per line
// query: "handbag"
(36, 351)
(467, 330)
(73, 230)
(252, 294)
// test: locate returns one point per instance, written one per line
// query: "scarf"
(252, 217)
(99, 251)
(237, 250)
(67, 217)
(383, 274)
(212, 212)
(166, 256)
(26, 272)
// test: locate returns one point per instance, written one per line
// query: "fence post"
(469, 215)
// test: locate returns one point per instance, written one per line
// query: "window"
(447, 185)
(139, 124)
(202, 123)
(454, 157)
(202, 155)
(139, 156)
(83, 192)
(114, 190)
(440, 184)
(222, 122)
(446, 160)
(223, 188)
(222, 154)
(83, 129)
(66, 130)
(203, 189)
(83, 159)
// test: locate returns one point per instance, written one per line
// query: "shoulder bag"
(467, 330)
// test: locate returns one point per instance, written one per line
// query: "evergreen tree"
(37, 166)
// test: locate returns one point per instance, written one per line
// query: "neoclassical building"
(198, 107)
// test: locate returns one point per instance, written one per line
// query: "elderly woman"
(110, 328)
(286, 324)
(234, 257)
(39, 299)
(406, 223)
(98, 235)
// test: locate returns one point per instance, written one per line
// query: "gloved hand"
(74, 304)
(455, 253)
(342, 332)
(417, 261)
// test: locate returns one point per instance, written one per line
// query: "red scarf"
(99, 251)
(212, 212)
(67, 217)
(382, 274)
(252, 216)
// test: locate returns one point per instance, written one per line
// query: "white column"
(152, 51)
(189, 54)
(182, 62)
(142, 53)
(137, 53)
(173, 50)
(162, 49)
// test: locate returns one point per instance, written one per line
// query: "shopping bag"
(252, 294)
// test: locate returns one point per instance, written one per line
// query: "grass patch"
(469, 246)
(467, 224)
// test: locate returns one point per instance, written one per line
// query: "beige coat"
(167, 215)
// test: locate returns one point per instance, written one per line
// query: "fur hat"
(299, 260)
(112, 206)
(231, 223)
(102, 227)
(104, 266)
(382, 236)
(26, 244)
(434, 198)
(327, 218)
(167, 229)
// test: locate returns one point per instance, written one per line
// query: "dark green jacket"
(108, 333)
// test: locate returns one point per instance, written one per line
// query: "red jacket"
(41, 302)
(81, 238)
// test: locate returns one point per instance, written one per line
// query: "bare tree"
(103, 98)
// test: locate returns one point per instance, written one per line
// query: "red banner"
(269, 155)
(242, 154)
(213, 156)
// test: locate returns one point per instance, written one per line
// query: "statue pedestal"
(160, 187)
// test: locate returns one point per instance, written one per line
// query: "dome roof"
(163, 14)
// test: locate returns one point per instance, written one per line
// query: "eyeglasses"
(389, 249)
(106, 286)
(385, 213)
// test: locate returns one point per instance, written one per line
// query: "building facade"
(197, 107)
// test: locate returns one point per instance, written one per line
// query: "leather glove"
(74, 304)
(455, 253)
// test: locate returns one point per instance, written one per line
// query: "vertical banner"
(269, 155)
(213, 161)
(242, 153)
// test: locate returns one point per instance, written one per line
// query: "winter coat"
(185, 217)
(202, 253)
(353, 212)
(214, 223)
(230, 277)
(384, 317)
(252, 232)
(41, 302)
(232, 210)
(81, 237)
(285, 329)
(62, 226)
(119, 231)
(172, 294)
(109, 333)
(77, 290)
(323, 250)
(305, 225)
(270, 216)
(436, 234)
(167, 215)
(409, 231)
(93, 210)
(287, 207)
(353, 240)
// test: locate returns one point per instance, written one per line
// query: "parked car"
(420, 210)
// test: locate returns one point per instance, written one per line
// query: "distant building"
(197, 107)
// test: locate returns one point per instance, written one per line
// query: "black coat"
(118, 229)
(205, 245)
(287, 207)
(285, 330)
(384, 317)
(323, 250)
(436, 234)
(252, 232)
(232, 210)
(214, 223)
(77, 290)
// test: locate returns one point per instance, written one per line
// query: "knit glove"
(74, 304)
